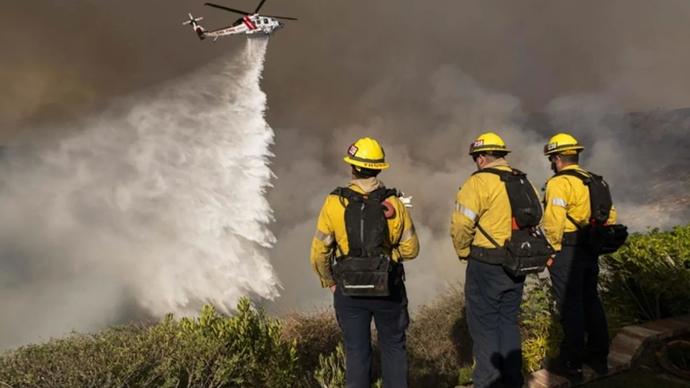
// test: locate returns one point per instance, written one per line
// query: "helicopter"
(251, 24)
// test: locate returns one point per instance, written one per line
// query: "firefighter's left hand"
(333, 288)
(407, 201)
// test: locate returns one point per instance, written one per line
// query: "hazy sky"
(424, 77)
(60, 58)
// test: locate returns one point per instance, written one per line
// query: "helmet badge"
(352, 151)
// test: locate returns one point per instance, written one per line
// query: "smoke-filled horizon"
(66, 58)
(424, 78)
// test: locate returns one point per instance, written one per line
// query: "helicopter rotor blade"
(259, 6)
(228, 9)
(280, 17)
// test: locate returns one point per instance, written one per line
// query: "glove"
(407, 201)
(463, 259)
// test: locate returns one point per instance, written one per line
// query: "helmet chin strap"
(553, 167)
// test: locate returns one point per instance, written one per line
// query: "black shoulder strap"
(488, 236)
(379, 194)
(348, 193)
(382, 193)
(589, 180)
(503, 174)
(585, 179)
(571, 219)
(505, 177)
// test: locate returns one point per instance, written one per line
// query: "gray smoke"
(424, 78)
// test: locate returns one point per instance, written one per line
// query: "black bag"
(527, 250)
(366, 270)
(599, 237)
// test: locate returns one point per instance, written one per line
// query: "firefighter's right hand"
(333, 288)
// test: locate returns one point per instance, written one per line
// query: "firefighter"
(365, 227)
(575, 269)
(482, 214)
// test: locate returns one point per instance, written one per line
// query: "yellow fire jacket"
(483, 199)
(330, 230)
(567, 195)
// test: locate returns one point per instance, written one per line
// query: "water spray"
(160, 199)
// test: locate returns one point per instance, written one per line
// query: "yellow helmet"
(366, 153)
(488, 142)
(563, 144)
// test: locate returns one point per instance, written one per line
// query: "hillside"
(649, 160)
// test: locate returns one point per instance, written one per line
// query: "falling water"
(159, 201)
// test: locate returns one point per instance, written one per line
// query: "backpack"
(527, 250)
(366, 270)
(598, 236)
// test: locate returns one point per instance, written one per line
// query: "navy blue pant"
(391, 317)
(574, 274)
(493, 304)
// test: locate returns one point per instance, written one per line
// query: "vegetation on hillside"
(647, 279)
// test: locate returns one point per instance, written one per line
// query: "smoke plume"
(159, 200)
(424, 78)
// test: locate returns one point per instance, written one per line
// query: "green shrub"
(649, 273)
(646, 279)
(331, 370)
(541, 333)
(465, 375)
(540, 326)
(214, 351)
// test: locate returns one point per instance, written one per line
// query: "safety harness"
(527, 250)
